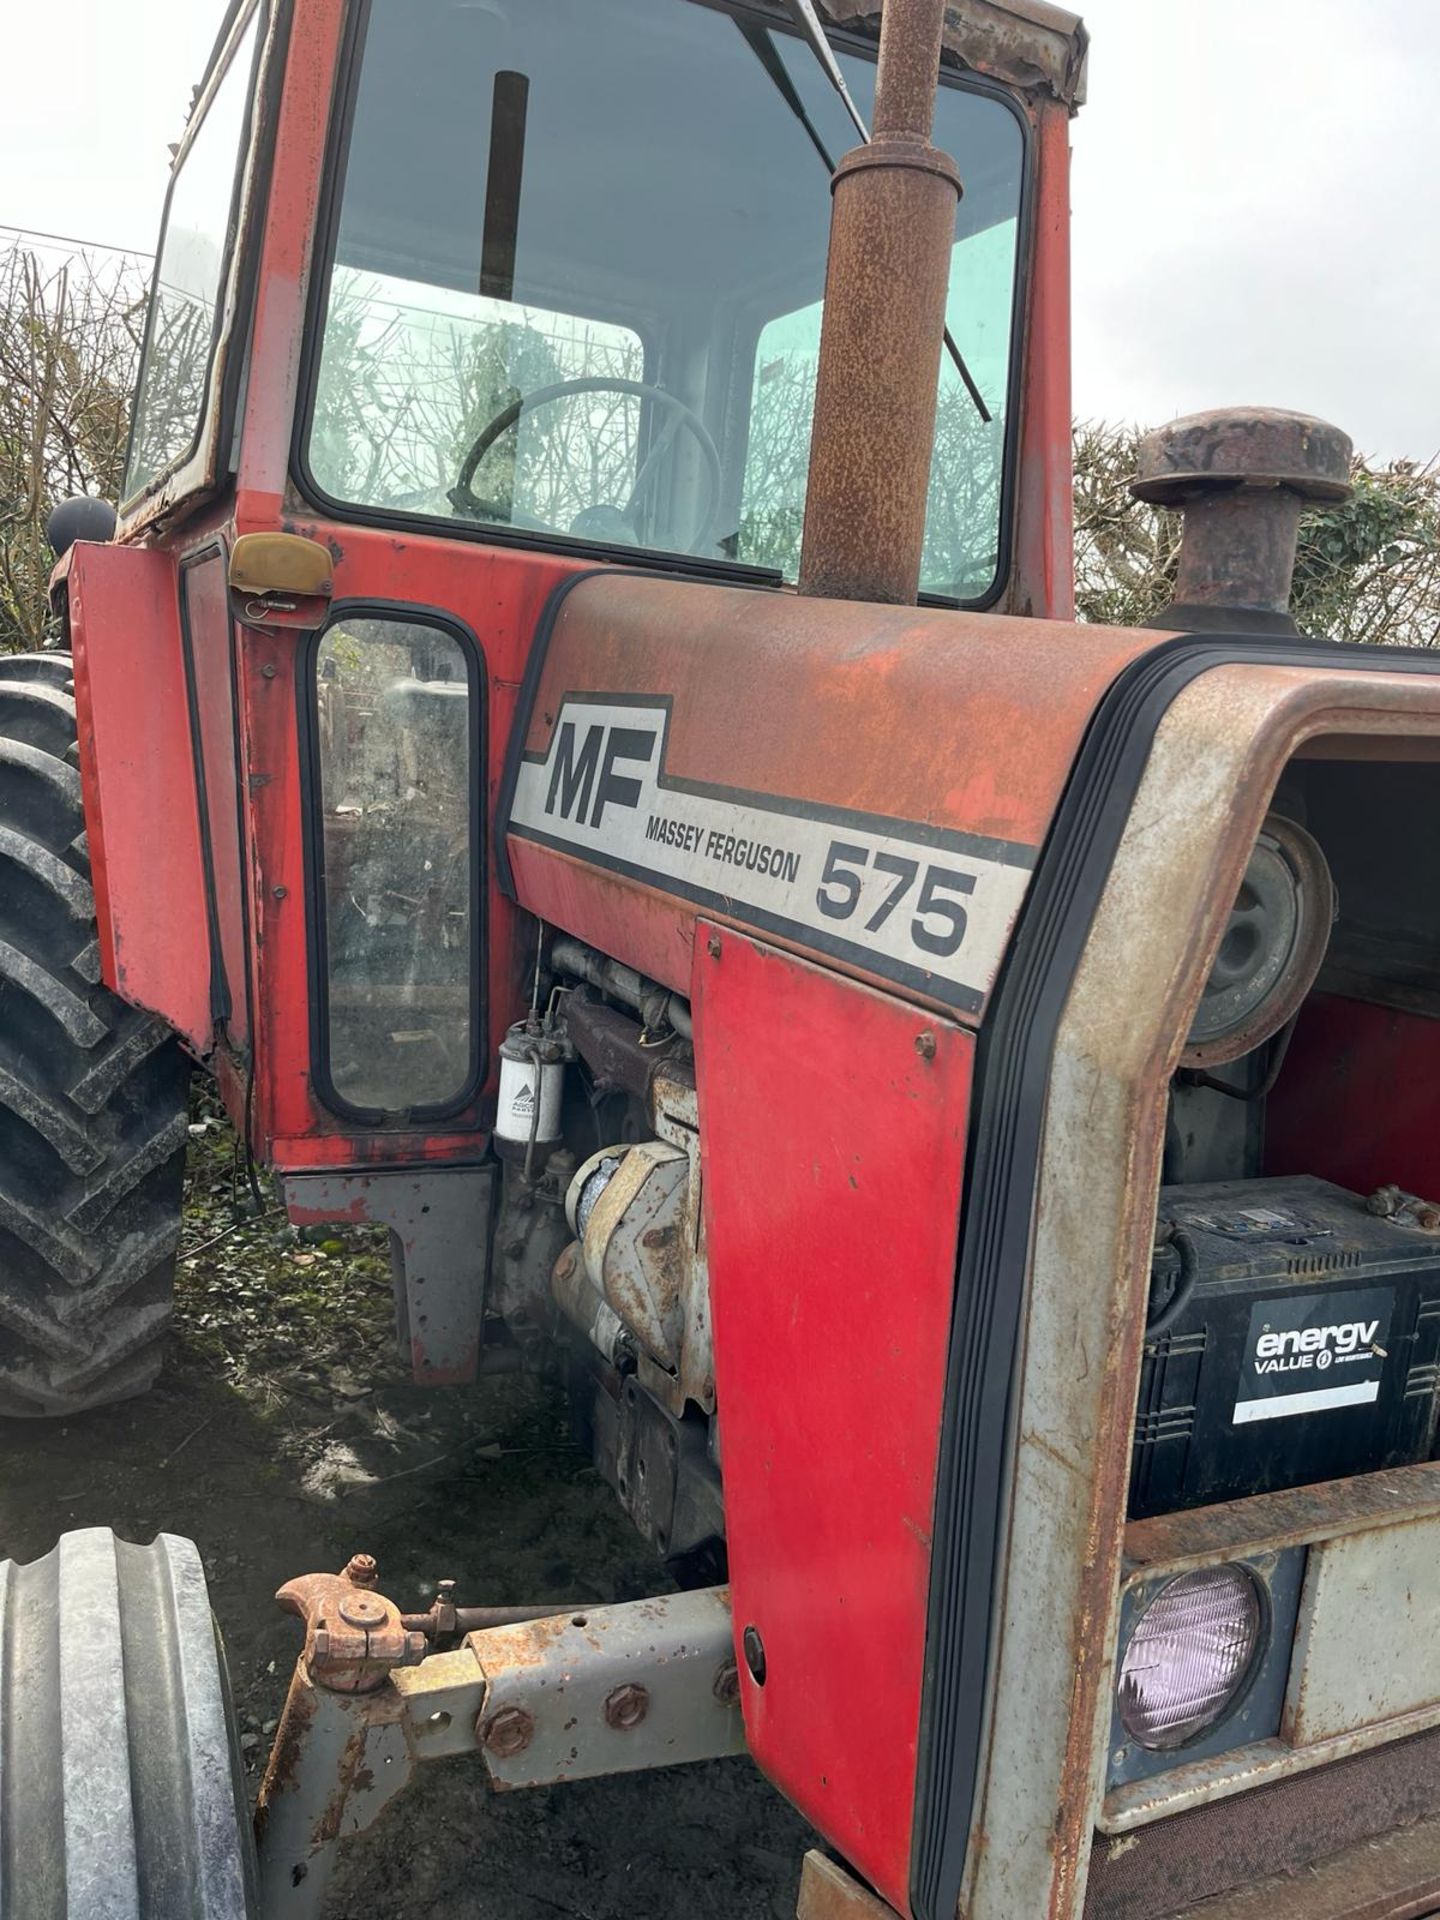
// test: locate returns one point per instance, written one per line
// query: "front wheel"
(120, 1778)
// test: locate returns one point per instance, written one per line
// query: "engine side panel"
(833, 1123)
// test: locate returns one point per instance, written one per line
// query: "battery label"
(1258, 1223)
(1314, 1352)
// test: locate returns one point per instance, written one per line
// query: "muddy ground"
(283, 1437)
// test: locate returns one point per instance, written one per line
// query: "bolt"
(320, 1643)
(712, 946)
(363, 1610)
(445, 1592)
(727, 1684)
(268, 673)
(566, 1264)
(626, 1707)
(279, 892)
(507, 1732)
(925, 1045)
(361, 1570)
(754, 1654)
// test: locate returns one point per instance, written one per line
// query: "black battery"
(1297, 1340)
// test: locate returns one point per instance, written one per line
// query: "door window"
(394, 865)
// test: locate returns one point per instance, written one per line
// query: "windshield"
(576, 279)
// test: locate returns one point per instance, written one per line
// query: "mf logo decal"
(590, 767)
(916, 904)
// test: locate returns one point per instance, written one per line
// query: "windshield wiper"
(768, 54)
(809, 23)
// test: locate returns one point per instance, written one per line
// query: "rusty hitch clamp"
(354, 1636)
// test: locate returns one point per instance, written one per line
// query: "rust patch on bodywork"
(282, 1768)
(350, 1777)
(1355, 1840)
(1287, 1519)
(1028, 44)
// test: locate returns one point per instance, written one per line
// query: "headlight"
(1189, 1656)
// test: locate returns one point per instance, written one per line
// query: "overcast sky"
(1257, 204)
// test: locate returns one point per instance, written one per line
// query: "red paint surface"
(138, 776)
(832, 1159)
(1376, 1067)
(283, 1100)
(967, 721)
(294, 193)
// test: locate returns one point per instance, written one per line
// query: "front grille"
(1170, 1865)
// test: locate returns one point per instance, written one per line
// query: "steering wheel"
(600, 521)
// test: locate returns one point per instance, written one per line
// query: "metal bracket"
(440, 1220)
(569, 1697)
(615, 1690)
(337, 1762)
(651, 1683)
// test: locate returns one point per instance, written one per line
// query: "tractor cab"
(567, 278)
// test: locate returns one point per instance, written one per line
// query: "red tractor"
(580, 729)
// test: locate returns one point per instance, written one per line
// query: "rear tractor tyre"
(121, 1790)
(92, 1094)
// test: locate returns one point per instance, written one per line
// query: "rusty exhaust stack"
(1241, 477)
(891, 231)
